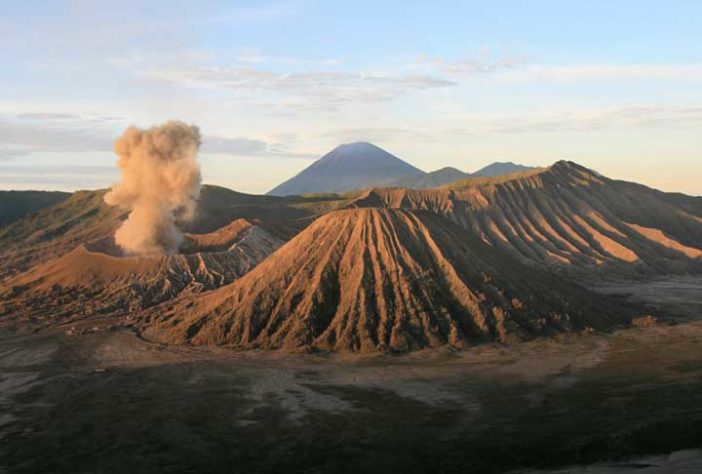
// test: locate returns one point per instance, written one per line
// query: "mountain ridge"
(362, 165)
(569, 218)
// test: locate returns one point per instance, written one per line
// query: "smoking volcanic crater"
(503, 259)
(100, 278)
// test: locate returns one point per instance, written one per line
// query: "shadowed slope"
(568, 217)
(15, 205)
(84, 217)
(56, 230)
(375, 279)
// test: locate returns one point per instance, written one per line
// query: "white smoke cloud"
(160, 181)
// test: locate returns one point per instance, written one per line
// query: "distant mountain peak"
(436, 178)
(353, 147)
(361, 165)
(499, 168)
(348, 167)
(359, 145)
(447, 169)
(358, 151)
(505, 163)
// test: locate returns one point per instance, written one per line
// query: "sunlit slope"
(380, 279)
(568, 217)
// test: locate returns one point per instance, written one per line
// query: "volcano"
(348, 167)
(97, 279)
(381, 279)
(384, 269)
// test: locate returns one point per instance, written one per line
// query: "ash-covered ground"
(108, 401)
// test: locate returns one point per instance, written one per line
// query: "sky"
(613, 85)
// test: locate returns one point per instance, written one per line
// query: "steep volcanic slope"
(96, 279)
(14, 205)
(570, 218)
(346, 168)
(378, 279)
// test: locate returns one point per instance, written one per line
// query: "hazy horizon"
(275, 85)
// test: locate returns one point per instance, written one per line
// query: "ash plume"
(160, 182)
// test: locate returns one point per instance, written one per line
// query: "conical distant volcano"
(346, 168)
(381, 279)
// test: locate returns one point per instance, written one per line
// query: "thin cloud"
(592, 72)
(248, 147)
(55, 176)
(253, 56)
(520, 68)
(586, 120)
(58, 132)
(376, 135)
(323, 87)
(37, 136)
(10, 154)
(65, 169)
(47, 116)
(245, 14)
(233, 146)
(468, 66)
